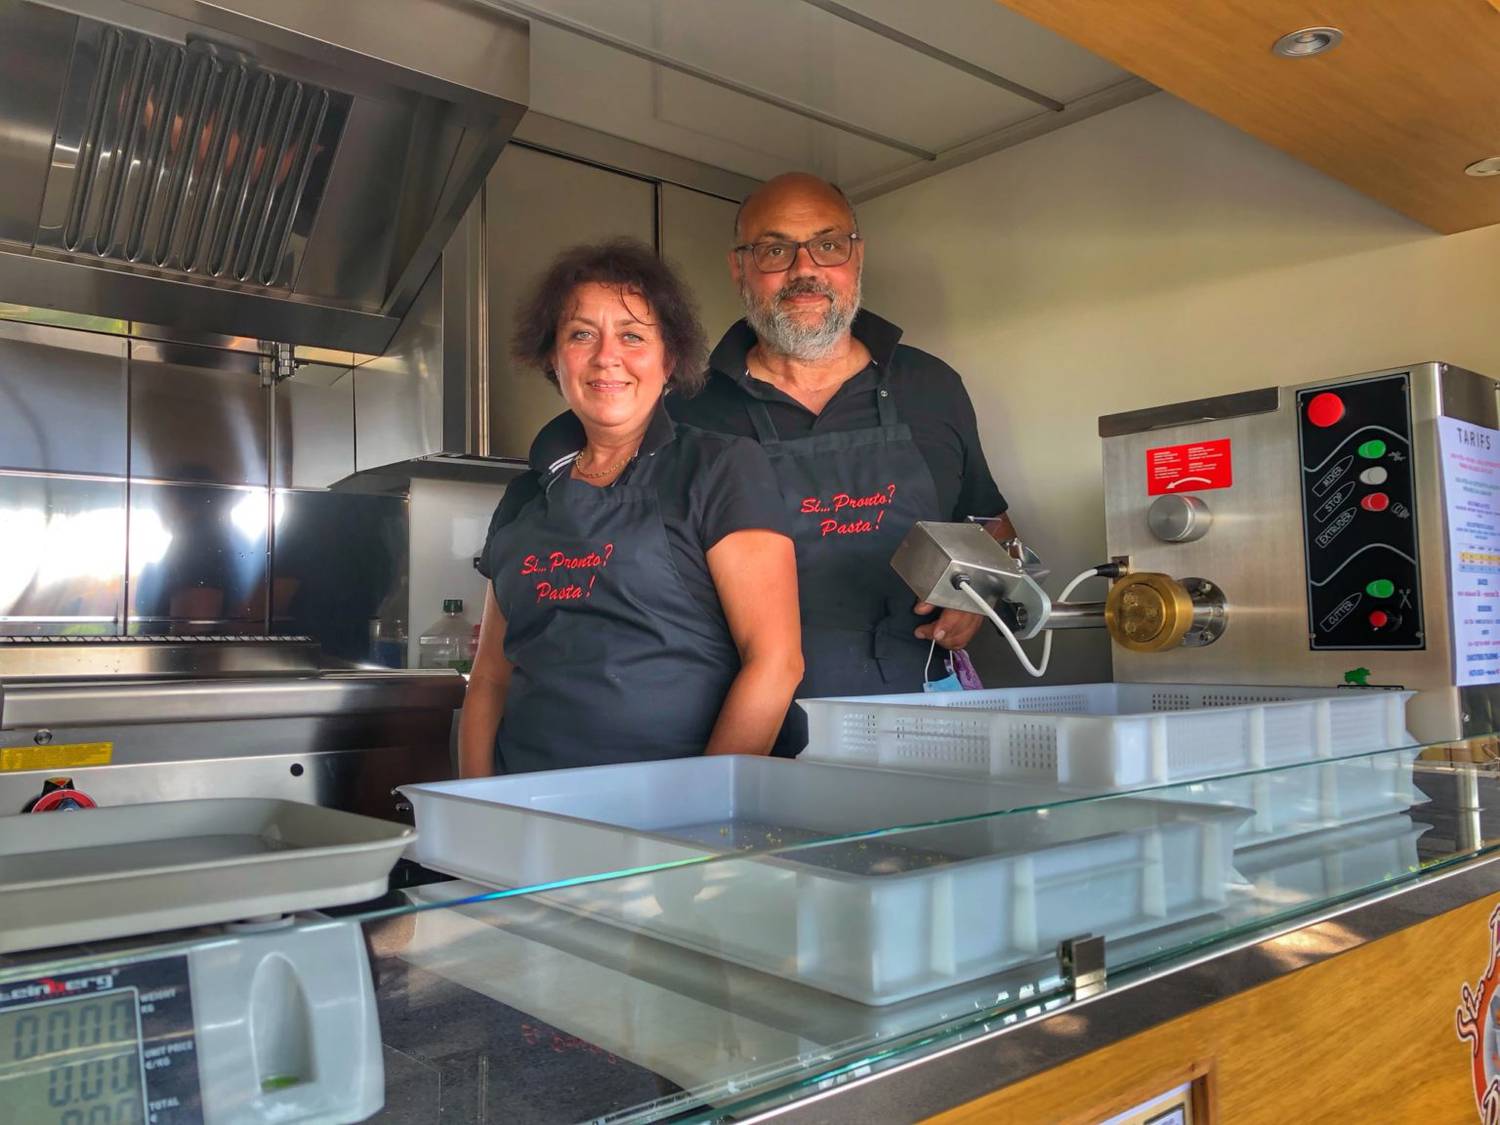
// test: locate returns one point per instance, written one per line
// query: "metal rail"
(660, 58)
(912, 43)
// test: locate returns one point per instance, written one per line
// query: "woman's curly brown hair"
(632, 267)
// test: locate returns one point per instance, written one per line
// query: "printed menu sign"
(1471, 491)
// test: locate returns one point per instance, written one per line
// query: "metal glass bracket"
(1081, 962)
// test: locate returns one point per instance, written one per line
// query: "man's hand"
(953, 629)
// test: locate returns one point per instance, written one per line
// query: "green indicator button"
(1381, 588)
(1372, 449)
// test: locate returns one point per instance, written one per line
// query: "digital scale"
(277, 1025)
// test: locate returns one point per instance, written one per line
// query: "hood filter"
(196, 161)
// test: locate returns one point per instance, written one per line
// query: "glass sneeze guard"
(768, 960)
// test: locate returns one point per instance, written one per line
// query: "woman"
(643, 590)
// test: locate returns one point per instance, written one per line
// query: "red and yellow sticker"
(64, 756)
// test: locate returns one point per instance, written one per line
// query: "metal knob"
(1179, 519)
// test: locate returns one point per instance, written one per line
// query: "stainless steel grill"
(130, 719)
(195, 159)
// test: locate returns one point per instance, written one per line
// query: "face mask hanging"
(961, 674)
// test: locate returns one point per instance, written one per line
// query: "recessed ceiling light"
(1308, 41)
(1489, 166)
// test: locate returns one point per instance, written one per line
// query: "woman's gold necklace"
(608, 470)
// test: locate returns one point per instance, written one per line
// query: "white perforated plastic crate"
(1104, 736)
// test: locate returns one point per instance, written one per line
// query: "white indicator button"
(1375, 475)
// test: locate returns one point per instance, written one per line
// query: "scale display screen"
(73, 1062)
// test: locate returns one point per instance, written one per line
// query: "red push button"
(1379, 618)
(1325, 410)
(1375, 502)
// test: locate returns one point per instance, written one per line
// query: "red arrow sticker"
(1196, 467)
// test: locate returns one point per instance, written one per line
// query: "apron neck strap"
(760, 418)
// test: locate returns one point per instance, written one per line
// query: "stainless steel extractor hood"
(279, 169)
(422, 408)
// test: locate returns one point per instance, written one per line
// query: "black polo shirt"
(927, 393)
(707, 486)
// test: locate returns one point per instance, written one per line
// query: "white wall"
(1150, 255)
(449, 520)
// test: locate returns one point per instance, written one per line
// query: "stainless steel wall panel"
(339, 561)
(198, 558)
(62, 400)
(696, 233)
(198, 414)
(313, 427)
(34, 67)
(62, 555)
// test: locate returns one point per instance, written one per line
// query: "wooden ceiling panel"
(1397, 111)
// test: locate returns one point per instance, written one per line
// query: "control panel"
(1359, 515)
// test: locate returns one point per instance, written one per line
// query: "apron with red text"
(615, 661)
(854, 494)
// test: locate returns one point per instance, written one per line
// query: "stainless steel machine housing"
(1254, 545)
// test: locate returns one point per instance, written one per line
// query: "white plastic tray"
(1311, 798)
(1335, 862)
(1103, 736)
(878, 920)
(68, 877)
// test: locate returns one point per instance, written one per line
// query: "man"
(867, 437)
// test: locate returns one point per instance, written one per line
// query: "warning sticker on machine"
(1195, 467)
(60, 757)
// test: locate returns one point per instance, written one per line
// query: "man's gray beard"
(777, 330)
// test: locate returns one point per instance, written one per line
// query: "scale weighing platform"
(266, 1024)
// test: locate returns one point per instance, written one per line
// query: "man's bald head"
(798, 306)
(789, 192)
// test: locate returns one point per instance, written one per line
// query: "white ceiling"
(800, 53)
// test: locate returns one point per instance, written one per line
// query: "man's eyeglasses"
(777, 255)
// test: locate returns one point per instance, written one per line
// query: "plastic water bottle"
(445, 643)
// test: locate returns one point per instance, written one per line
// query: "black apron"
(614, 660)
(854, 494)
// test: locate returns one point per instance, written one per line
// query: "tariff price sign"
(1195, 467)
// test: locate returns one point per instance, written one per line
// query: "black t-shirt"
(708, 486)
(928, 395)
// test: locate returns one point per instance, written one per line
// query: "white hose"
(1091, 572)
(1010, 638)
(1036, 670)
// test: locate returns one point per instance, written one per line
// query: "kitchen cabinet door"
(697, 231)
(537, 205)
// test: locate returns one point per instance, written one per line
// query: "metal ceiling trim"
(912, 43)
(660, 58)
(1037, 125)
(579, 142)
